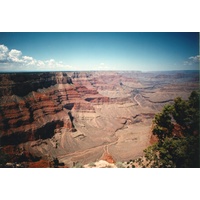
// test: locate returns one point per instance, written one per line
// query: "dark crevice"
(69, 106)
(47, 131)
(14, 139)
(6, 124)
(89, 99)
(72, 119)
(30, 112)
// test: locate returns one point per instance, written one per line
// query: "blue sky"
(59, 51)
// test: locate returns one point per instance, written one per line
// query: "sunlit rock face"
(83, 116)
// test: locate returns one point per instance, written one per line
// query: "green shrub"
(78, 165)
(120, 165)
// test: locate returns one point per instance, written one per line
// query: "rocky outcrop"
(83, 116)
(21, 84)
(33, 105)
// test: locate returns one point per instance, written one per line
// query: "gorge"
(84, 116)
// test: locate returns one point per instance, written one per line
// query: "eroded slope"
(83, 116)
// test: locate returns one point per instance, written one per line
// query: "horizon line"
(139, 71)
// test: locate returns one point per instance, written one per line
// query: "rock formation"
(83, 116)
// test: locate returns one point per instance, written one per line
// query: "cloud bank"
(13, 60)
(192, 61)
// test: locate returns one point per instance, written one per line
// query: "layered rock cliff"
(33, 105)
(83, 116)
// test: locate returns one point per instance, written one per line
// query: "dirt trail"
(137, 100)
(82, 153)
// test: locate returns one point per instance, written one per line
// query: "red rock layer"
(36, 114)
(107, 157)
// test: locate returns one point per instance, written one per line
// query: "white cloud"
(195, 58)
(27, 59)
(50, 62)
(14, 55)
(3, 53)
(3, 48)
(40, 63)
(192, 60)
(12, 60)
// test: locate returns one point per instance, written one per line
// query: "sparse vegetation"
(39, 123)
(78, 165)
(177, 128)
(55, 162)
(108, 166)
(92, 164)
(120, 165)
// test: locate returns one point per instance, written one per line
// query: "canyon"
(84, 117)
